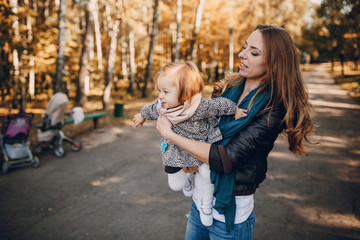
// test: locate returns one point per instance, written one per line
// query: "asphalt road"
(115, 188)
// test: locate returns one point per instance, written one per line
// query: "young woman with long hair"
(270, 86)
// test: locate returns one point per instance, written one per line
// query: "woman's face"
(252, 57)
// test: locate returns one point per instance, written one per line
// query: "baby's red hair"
(186, 78)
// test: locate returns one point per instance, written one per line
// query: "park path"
(115, 188)
(316, 197)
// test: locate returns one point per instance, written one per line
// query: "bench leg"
(96, 122)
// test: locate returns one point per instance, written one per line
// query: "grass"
(350, 81)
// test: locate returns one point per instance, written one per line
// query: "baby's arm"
(221, 106)
(240, 113)
(138, 120)
(149, 112)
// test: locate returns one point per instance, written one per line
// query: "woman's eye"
(243, 47)
(254, 54)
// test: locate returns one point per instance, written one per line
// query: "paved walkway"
(316, 197)
(115, 188)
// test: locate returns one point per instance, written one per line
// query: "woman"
(269, 67)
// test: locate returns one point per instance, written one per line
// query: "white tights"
(179, 180)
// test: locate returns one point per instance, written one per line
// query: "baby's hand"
(240, 113)
(138, 120)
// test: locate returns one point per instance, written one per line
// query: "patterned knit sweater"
(202, 126)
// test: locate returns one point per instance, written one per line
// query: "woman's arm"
(258, 136)
(200, 150)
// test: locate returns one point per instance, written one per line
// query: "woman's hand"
(164, 126)
(199, 150)
(190, 169)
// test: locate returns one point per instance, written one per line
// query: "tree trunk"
(14, 5)
(123, 58)
(342, 61)
(16, 69)
(15, 102)
(178, 29)
(2, 76)
(29, 28)
(61, 50)
(98, 37)
(150, 58)
(231, 49)
(132, 62)
(46, 9)
(32, 78)
(192, 49)
(23, 95)
(35, 7)
(110, 63)
(266, 8)
(84, 58)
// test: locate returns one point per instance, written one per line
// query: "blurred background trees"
(334, 35)
(109, 50)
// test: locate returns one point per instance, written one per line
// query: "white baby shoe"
(189, 190)
(206, 216)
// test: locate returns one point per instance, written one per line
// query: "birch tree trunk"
(123, 58)
(46, 9)
(192, 50)
(98, 37)
(84, 58)
(178, 29)
(32, 78)
(150, 58)
(61, 49)
(111, 63)
(132, 62)
(28, 26)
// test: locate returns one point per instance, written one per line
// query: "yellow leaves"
(324, 32)
(351, 35)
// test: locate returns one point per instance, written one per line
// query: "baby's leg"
(207, 195)
(178, 181)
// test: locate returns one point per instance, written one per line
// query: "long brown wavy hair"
(284, 78)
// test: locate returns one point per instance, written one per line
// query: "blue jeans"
(196, 231)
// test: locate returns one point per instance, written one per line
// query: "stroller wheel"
(59, 151)
(5, 167)
(36, 162)
(38, 148)
(76, 146)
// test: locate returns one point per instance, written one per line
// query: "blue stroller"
(14, 143)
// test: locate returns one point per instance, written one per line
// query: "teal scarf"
(224, 183)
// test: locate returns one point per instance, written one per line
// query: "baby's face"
(168, 93)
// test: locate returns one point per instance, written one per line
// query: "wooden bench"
(94, 116)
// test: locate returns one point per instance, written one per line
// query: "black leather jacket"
(248, 150)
